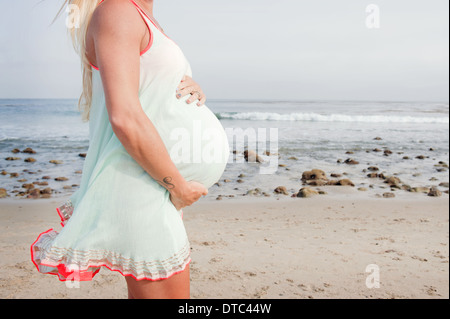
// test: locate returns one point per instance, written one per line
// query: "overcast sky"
(255, 49)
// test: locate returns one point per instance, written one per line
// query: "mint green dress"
(120, 217)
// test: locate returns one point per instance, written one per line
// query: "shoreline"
(250, 247)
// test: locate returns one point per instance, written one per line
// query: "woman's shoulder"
(116, 15)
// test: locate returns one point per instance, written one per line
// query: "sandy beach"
(301, 248)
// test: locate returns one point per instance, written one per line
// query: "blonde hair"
(83, 10)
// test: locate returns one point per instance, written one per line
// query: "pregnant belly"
(196, 141)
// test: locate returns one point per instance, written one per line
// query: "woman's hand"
(189, 86)
(187, 195)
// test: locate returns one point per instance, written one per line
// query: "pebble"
(3, 193)
(306, 192)
(434, 192)
(388, 195)
(55, 161)
(281, 190)
(30, 160)
(61, 179)
(351, 161)
(11, 158)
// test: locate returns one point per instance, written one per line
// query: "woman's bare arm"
(118, 30)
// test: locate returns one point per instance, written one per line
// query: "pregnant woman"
(154, 148)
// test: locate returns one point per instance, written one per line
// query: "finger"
(195, 96)
(184, 84)
(185, 91)
(202, 101)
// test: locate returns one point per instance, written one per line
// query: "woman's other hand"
(189, 86)
(187, 195)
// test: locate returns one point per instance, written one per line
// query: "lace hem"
(77, 265)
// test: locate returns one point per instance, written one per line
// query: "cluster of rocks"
(37, 188)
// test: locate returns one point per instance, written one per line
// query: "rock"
(314, 174)
(321, 192)
(433, 179)
(393, 181)
(29, 150)
(46, 177)
(388, 195)
(362, 189)
(12, 158)
(349, 152)
(281, 190)
(387, 152)
(446, 191)
(46, 190)
(28, 186)
(267, 153)
(3, 193)
(22, 180)
(46, 195)
(446, 184)
(373, 169)
(406, 187)
(13, 174)
(339, 161)
(420, 190)
(55, 161)
(306, 192)
(242, 175)
(82, 155)
(351, 161)
(30, 160)
(406, 157)
(293, 158)
(254, 192)
(252, 157)
(332, 182)
(282, 165)
(15, 151)
(42, 183)
(61, 179)
(219, 197)
(335, 175)
(34, 193)
(317, 182)
(79, 172)
(421, 157)
(431, 149)
(441, 164)
(4, 172)
(67, 187)
(441, 169)
(240, 181)
(345, 182)
(377, 150)
(434, 192)
(226, 181)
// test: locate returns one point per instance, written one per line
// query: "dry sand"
(266, 248)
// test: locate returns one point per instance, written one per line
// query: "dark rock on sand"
(306, 192)
(79, 172)
(393, 181)
(406, 157)
(55, 161)
(420, 190)
(362, 189)
(373, 169)
(281, 190)
(4, 172)
(387, 152)
(388, 195)
(29, 150)
(378, 138)
(240, 181)
(82, 155)
(252, 157)
(317, 182)
(3, 193)
(349, 152)
(377, 150)
(13, 174)
(351, 161)
(345, 182)
(46, 190)
(30, 160)
(421, 157)
(61, 179)
(28, 186)
(46, 177)
(34, 193)
(434, 192)
(335, 175)
(11, 158)
(15, 151)
(314, 174)
(445, 184)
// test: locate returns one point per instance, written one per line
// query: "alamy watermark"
(373, 17)
(373, 279)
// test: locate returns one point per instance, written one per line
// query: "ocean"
(310, 134)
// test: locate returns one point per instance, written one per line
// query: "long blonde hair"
(82, 11)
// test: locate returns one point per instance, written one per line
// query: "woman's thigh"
(175, 287)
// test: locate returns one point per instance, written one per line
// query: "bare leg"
(175, 287)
